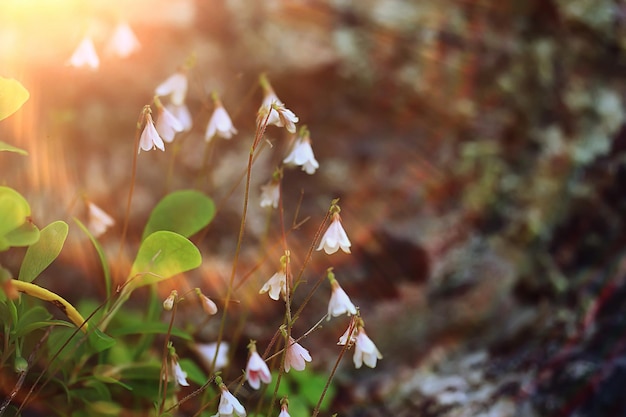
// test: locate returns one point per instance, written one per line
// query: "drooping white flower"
(167, 124)
(99, 220)
(123, 42)
(276, 285)
(182, 114)
(150, 138)
(179, 374)
(270, 194)
(208, 305)
(335, 237)
(339, 301)
(279, 115)
(365, 350)
(220, 123)
(257, 370)
(296, 356)
(174, 86)
(85, 55)
(168, 303)
(302, 154)
(349, 336)
(206, 353)
(229, 405)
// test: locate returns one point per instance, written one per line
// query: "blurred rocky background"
(478, 148)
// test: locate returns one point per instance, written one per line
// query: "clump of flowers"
(365, 351)
(273, 111)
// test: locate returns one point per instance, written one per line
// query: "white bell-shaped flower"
(270, 194)
(339, 301)
(167, 125)
(257, 370)
(229, 406)
(220, 123)
(174, 86)
(302, 154)
(182, 114)
(123, 42)
(365, 350)
(150, 138)
(85, 55)
(335, 237)
(276, 285)
(99, 220)
(296, 356)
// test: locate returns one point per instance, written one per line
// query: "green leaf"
(10, 148)
(25, 235)
(194, 373)
(101, 256)
(14, 210)
(100, 341)
(185, 212)
(162, 255)
(42, 253)
(12, 96)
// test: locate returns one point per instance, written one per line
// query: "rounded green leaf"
(162, 255)
(184, 212)
(12, 96)
(41, 254)
(13, 210)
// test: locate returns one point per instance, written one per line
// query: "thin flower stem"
(133, 176)
(163, 377)
(316, 410)
(259, 134)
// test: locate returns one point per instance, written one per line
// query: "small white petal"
(150, 137)
(181, 113)
(175, 86)
(302, 155)
(206, 352)
(181, 376)
(168, 125)
(296, 356)
(99, 221)
(275, 285)
(85, 55)
(123, 42)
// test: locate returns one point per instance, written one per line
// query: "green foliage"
(12, 96)
(5, 147)
(42, 253)
(162, 255)
(15, 228)
(184, 212)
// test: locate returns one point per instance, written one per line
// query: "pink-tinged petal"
(296, 356)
